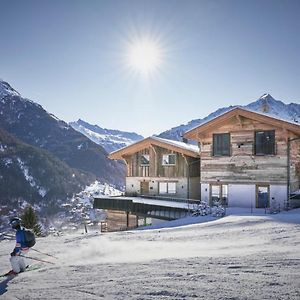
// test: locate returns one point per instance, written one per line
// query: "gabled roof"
(244, 112)
(184, 148)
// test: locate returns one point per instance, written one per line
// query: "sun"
(144, 56)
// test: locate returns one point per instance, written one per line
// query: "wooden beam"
(222, 119)
(134, 148)
(238, 117)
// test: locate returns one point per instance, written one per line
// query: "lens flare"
(144, 56)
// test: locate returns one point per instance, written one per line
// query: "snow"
(80, 146)
(109, 139)
(54, 117)
(25, 171)
(240, 256)
(178, 144)
(274, 108)
(7, 90)
(269, 114)
(41, 190)
(7, 161)
(2, 147)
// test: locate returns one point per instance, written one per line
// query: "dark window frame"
(168, 160)
(263, 146)
(145, 164)
(221, 147)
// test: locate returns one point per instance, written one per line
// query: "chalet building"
(248, 159)
(161, 167)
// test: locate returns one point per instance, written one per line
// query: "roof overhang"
(194, 133)
(148, 142)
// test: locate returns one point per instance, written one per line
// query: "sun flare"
(144, 56)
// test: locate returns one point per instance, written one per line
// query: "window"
(167, 187)
(163, 188)
(221, 144)
(219, 194)
(169, 159)
(145, 160)
(171, 188)
(265, 142)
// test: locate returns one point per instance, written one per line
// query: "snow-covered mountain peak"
(266, 96)
(6, 89)
(109, 139)
(265, 104)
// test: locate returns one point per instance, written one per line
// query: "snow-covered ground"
(240, 256)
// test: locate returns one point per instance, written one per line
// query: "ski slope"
(240, 256)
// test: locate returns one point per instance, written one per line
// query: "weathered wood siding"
(243, 166)
(157, 169)
(295, 165)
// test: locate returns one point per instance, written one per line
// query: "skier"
(17, 262)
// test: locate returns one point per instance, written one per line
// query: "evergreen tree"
(30, 220)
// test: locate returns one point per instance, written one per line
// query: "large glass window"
(169, 159)
(167, 187)
(265, 142)
(221, 144)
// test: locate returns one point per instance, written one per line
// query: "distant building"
(248, 159)
(161, 167)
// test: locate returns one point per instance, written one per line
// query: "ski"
(28, 268)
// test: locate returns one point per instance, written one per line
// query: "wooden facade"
(156, 167)
(147, 168)
(242, 166)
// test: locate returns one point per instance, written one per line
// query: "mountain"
(33, 125)
(265, 104)
(34, 175)
(109, 139)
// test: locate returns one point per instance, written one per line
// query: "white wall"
(133, 185)
(244, 195)
(205, 192)
(241, 195)
(278, 195)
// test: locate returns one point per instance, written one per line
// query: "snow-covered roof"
(180, 147)
(178, 144)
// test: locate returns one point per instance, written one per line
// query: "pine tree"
(30, 220)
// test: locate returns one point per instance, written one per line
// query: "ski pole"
(41, 260)
(43, 253)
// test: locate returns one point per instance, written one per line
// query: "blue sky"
(70, 56)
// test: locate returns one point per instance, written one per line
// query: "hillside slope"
(34, 175)
(33, 125)
(236, 257)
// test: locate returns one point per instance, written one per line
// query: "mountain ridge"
(266, 104)
(35, 175)
(109, 139)
(33, 125)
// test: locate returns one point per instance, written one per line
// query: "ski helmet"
(15, 222)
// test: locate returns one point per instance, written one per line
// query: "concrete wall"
(205, 192)
(133, 186)
(244, 195)
(278, 195)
